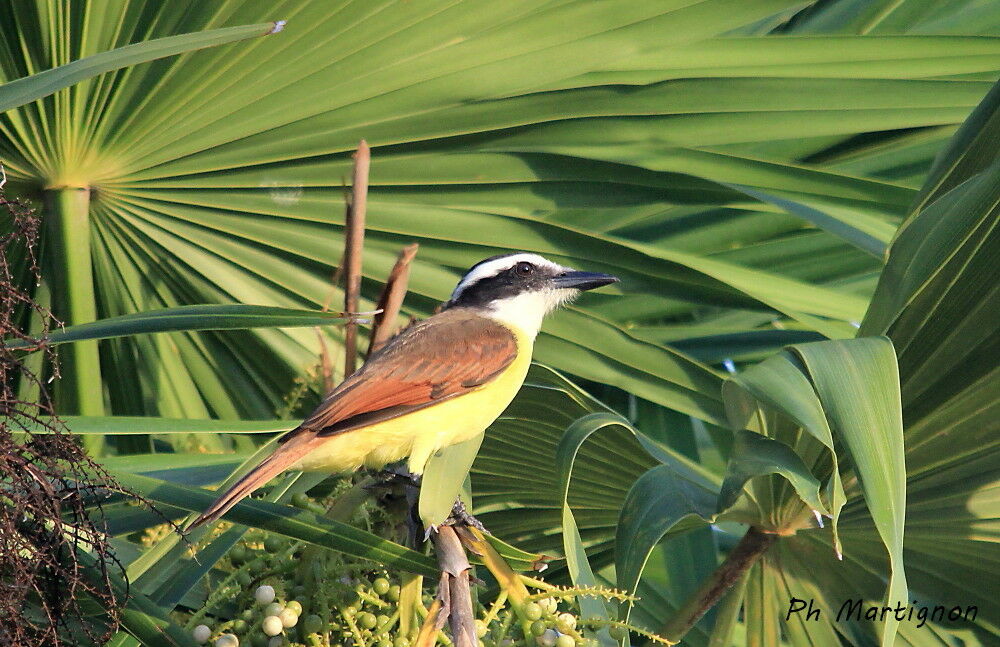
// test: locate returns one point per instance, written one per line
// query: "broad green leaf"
(660, 504)
(779, 383)
(757, 455)
(287, 521)
(18, 92)
(443, 479)
(969, 152)
(196, 317)
(858, 384)
(859, 229)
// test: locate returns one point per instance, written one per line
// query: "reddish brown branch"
(354, 238)
(392, 299)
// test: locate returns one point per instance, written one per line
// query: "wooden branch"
(354, 238)
(455, 592)
(749, 549)
(392, 299)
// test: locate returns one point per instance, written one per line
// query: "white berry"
(227, 640)
(272, 625)
(288, 617)
(201, 633)
(264, 594)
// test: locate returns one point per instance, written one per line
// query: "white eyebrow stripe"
(497, 265)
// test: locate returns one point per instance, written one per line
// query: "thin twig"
(354, 237)
(392, 298)
(325, 364)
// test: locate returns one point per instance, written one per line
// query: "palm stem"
(79, 390)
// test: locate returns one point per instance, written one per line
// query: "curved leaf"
(660, 504)
(858, 383)
(756, 455)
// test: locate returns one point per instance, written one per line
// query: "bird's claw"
(460, 516)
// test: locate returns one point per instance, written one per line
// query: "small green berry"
(239, 626)
(367, 620)
(384, 642)
(618, 633)
(243, 578)
(274, 544)
(273, 609)
(247, 614)
(381, 586)
(295, 606)
(301, 500)
(238, 554)
(401, 641)
(532, 611)
(565, 640)
(538, 627)
(394, 593)
(381, 620)
(312, 624)
(565, 623)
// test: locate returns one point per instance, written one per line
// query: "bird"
(437, 383)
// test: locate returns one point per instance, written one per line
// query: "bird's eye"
(524, 268)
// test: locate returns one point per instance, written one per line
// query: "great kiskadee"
(438, 383)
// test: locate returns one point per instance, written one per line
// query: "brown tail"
(283, 457)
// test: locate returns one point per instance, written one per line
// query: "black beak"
(583, 280)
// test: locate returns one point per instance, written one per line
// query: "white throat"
(525, 312)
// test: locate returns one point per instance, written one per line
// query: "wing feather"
(442, 357)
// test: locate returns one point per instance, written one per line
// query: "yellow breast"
(422, 433)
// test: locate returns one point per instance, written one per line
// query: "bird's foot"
(396, 475)
(460, 516)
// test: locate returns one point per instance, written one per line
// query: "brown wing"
(442, 357)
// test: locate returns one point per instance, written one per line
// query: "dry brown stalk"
(455, 592)
(354, 239)
(392, 298)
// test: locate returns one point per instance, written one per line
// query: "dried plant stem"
(354, 238)
(749, 549)
(392, 298)
(455, 592)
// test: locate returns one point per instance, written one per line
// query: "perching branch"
(392, 298)
(354, 236)
(749, 549)
(454, 591)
